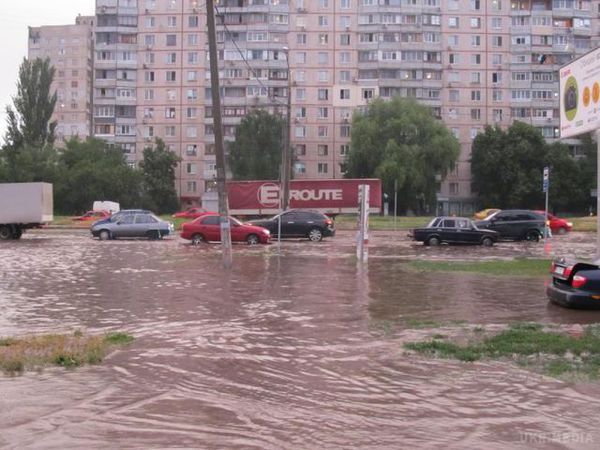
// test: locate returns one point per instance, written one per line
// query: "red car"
(557, 225)
(207, 228)
(93, 215)
(191, 213)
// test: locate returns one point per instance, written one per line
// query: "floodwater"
(295, 348)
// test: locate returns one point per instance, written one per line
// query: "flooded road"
(303, 350)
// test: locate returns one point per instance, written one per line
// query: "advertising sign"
(580, 95)
(327, 196)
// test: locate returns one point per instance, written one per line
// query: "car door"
(289, 224)
(467, 231)
(503, 223)
(448, 230)
(124, 226)
(211, 228)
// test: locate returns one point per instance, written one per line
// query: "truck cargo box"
(26, 203)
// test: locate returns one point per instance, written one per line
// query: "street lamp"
(286, 156)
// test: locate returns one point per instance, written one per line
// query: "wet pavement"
(297, 347)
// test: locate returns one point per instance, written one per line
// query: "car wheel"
(252, 239)
(433, 241)
(104, 235)
(315, 235)
(5, 233)
(197, 239)
(487, 241)
(532, 236)
(562, 230)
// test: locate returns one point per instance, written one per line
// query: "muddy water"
(302, 350)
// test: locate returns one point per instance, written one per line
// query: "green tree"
(158, 175)
(256, 152)
(29, 121)
(507, 166)
(93, 170)
(400, 140)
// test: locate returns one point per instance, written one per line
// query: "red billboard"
(327, 196)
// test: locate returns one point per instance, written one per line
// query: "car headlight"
(267, 232)
(569, 224)
(171, 226)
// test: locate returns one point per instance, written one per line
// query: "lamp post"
(286, 168)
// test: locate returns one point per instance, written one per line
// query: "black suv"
(297, 223)
(515, 224)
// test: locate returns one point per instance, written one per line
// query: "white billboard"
(580, 95)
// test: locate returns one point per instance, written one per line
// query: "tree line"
(81, 171)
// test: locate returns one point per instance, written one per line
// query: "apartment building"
(474, 62)
(70, 49)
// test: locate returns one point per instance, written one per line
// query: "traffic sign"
(546, 179)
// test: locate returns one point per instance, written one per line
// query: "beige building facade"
(70, 49)
(474, 62)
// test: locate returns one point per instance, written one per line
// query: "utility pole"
(218, 130)
(286, 157)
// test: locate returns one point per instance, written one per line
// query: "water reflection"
(282, 352)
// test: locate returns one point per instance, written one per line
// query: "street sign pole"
(546, 188)
(597, 193)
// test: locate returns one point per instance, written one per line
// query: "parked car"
(139, 224)
(557, 225)
(515, 224)
(453, 230)
(480, 215)
(92, 215)
(575, 284)
(208, 228)
(297, 223)
(191, 213)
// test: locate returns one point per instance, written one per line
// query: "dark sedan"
(453, 230)
(299, 224)
(575, 284)
(515, 224)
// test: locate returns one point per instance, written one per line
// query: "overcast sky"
(15, 17)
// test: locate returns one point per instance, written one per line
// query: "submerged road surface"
(298, 351)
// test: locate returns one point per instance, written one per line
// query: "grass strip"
(515, 268)
(556, 354)
(34, 352)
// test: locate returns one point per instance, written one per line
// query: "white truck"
(23, 206)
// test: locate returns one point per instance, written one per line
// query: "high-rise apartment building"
(70, 49)
(474, 62)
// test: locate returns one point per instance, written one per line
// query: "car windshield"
(234, 221)
(433, 222)
(491, 216)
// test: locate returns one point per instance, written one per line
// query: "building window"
(191, 169)
(193, 21)
(475, 114)
(323, 94)
(322, 131)
(171, 40)
(192, 186)
(300, 132)
(453, 188)
(322, 168)
(300, 149)
(344, 131)
(344, 149)
(191, 150)
(322, 150)
(299, 167)
(344, 94)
